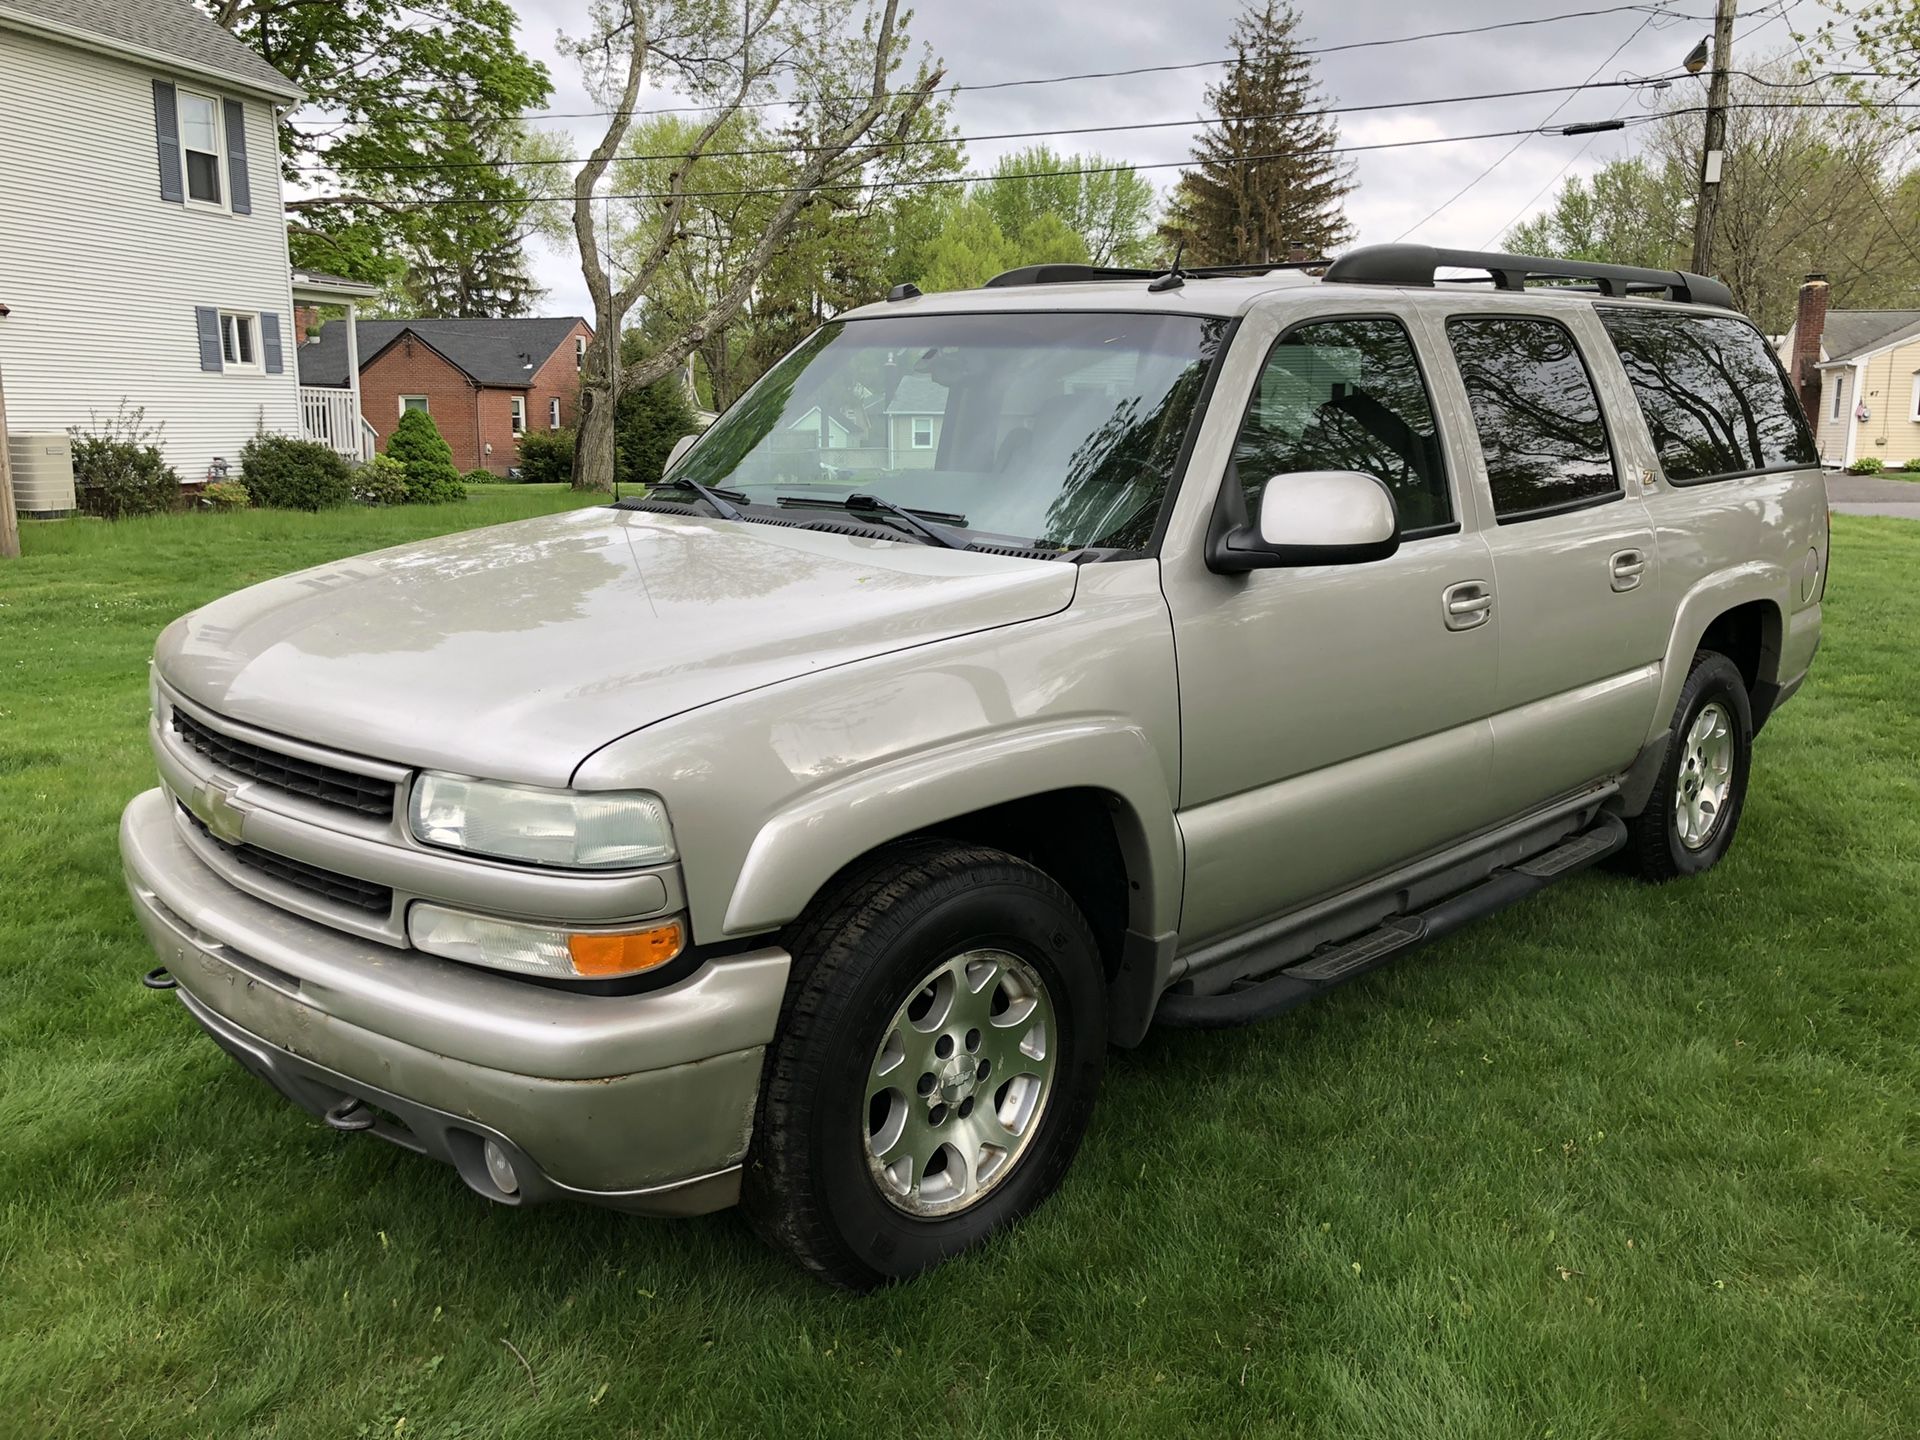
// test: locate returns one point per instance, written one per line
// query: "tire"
(1682, 830)
(918, 926)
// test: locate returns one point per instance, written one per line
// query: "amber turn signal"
(603, 956)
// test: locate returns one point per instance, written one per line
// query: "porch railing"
(327, 414)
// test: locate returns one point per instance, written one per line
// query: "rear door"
(1583, 627)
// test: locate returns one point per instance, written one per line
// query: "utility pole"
(1707, 204)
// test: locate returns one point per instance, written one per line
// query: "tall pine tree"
(1265, 175)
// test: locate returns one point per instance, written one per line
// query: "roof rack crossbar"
(1415, 265)
(1082, 274)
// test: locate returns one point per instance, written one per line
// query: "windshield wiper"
(722, 502)
(937, 534)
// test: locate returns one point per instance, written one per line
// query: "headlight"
(541, 949)
(575, 829)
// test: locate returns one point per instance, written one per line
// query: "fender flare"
(806, 842)
(1711, 598)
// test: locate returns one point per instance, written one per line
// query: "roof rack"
(1082, 274)
(1415, 264)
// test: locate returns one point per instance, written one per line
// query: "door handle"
(1626, 569)
(1467, 605)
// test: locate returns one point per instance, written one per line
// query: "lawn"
(1620, 1162)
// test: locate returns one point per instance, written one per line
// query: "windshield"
(1053, 430)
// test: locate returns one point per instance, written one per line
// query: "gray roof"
(918, 395)
(158, 32)
(1850, 332)
(493, 352)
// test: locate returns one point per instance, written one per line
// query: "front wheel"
(936, 1065)
(1690, 820)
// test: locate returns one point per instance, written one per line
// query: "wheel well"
(1075, 836)
(1748, 635)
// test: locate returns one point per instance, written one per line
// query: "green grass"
(1620, 1162)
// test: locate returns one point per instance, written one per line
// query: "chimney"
(1297, 251)
(1809, 328)
(306, 320)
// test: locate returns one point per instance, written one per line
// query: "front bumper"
(643, 1102)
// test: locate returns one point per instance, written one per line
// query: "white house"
(143, 243)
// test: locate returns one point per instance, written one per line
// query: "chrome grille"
(328, 884)
(343, 789)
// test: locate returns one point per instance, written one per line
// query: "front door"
(1583, 629)
(1334, 718)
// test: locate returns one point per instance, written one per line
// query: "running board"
(1262, 998)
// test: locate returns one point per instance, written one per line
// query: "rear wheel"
(936, 1064)
(1690, 820)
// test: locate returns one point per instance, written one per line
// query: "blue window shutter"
(206, 320)
(237, 183)
(270, 343)
(166, 131)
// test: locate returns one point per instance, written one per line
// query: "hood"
(516, 651)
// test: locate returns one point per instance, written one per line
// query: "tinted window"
(1347, 395)
(1715, 397)
(1534, 405)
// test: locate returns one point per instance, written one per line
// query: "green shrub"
(283, 473)
(1866, 465)
(481, 477)
(381, 481)
(1912, 465)
(427, 459)
(227, 495)
(546, 457)
(119, 471)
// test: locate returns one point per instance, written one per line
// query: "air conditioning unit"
(42, 474)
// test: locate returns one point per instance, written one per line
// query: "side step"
(1262, 998)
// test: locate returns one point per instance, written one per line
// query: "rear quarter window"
(1714, 396)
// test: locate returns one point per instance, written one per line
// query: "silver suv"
(1008, 671)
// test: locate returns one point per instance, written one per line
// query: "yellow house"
(1858, 374)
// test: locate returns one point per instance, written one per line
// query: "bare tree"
(729, 60)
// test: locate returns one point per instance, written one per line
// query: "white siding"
(103, 276)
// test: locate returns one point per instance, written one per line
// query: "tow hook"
(351, 1114)
(158, 979)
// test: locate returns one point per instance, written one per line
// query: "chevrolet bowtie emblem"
(220, 810)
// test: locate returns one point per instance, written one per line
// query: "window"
(1021, 447)
(412, 402)
(553, 413)
(1541, 433)
(579, 352)
(200, 145)
(922, 433)
(519, 414)
(1348, 395)
(1716, 401)
(1839, 393)
(237, 349)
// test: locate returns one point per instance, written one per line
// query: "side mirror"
(1312, 517)
(680, 447)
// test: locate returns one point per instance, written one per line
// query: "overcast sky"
(982, 41)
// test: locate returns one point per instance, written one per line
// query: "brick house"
(483, 381)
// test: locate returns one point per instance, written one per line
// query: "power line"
(763, 150)
(931, 182)
(912, 141)
(1786, 8)
(1656, 10)
(1514, 149)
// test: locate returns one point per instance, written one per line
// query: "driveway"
(1872, 495)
